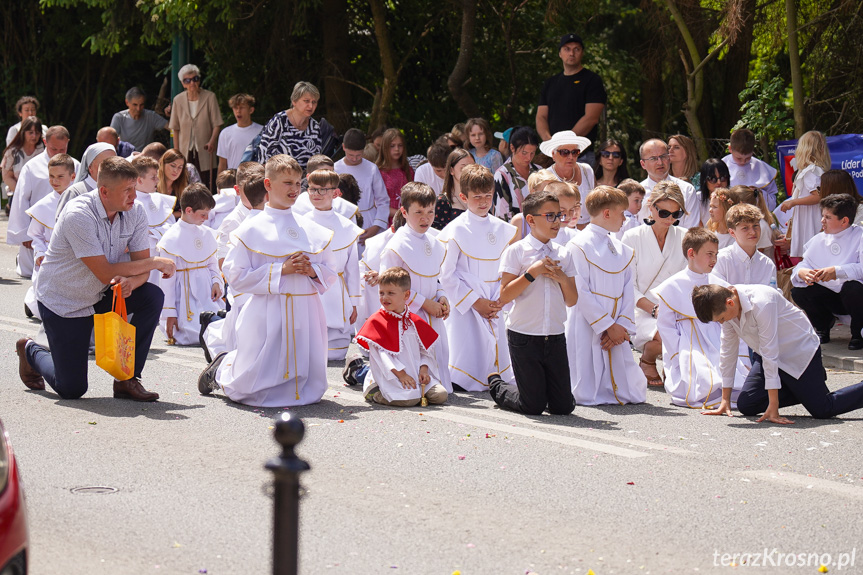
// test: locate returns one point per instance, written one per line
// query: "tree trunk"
(735, 72)
(336, 64)
(796, 73)
(458, 77)
(388, 66)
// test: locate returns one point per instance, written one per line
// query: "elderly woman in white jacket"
(658, 248)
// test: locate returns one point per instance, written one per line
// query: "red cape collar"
(385, 329)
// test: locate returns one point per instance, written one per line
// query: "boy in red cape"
(401, 370)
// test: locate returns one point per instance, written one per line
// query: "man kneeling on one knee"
(100, 240)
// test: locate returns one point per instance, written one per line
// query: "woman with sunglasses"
(714, 174)
(196, 121)
(658, 248)
(510, 180)
(610, 165)
(564, 148)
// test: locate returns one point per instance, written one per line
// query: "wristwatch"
(529, 277)
(653, 313)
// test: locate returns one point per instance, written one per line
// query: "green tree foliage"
(80, 56)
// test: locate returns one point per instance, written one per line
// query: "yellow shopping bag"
(115, 340)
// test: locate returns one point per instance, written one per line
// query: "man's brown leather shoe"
(132, 389)
(28, 375)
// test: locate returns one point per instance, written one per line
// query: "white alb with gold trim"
(189, 291)
(160, 217)
(605, 277)
(42, 217)
(422, 255)
(340, 299)
(690, 349)
(281, 331)
(478, 346)
(371, 261)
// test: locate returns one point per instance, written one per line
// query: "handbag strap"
(119, 306)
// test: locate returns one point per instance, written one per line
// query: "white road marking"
(806, 482)
(499, 414)
(447, 414)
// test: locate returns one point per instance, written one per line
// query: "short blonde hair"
(742, 214)
(604, 197)
(281, 163)
(812, 149)
(538, 178)
(565, 190)
(667, 190)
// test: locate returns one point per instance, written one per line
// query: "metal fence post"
(286, 494)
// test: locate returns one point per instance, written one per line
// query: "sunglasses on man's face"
(666, 214)
(194, 79)
(607, 154)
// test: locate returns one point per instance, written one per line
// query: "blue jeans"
(64, 367)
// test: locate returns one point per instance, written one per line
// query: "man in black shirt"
(572, 100)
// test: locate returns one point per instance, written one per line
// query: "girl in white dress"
(812, 158)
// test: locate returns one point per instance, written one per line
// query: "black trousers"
(810, 390)
(820, 304)
(541, 369)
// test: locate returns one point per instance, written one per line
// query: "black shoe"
(457, 387)
(352, 364)
(824, 336)
(855, 344)
(207, 380)
(27, 311)
(494, 379)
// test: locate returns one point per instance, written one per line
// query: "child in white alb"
(43, 214)
(218, 336)
(158, 207)
(402, 371)
(422, 254)
(471, 273)
(284, 262)
(690, 349)
(341, 300)
(635, 196)
(226, 198)
(604, 370)
(197, 285)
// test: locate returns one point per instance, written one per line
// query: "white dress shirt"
(736, 267)
(844, 251)
(540, 309)
(775, 329)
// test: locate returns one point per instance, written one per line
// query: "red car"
(13, 513)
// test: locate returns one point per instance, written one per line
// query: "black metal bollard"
(286, 495)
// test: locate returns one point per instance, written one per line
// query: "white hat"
(565, 138)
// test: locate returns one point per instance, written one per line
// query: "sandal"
(652, 380)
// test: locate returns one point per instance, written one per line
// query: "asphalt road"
(464, 487)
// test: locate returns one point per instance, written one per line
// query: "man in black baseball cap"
(572, 100)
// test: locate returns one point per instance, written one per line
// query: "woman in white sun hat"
(564, 148)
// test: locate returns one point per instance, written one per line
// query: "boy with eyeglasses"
(537, 276)
(603, 369)
(341, 300)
